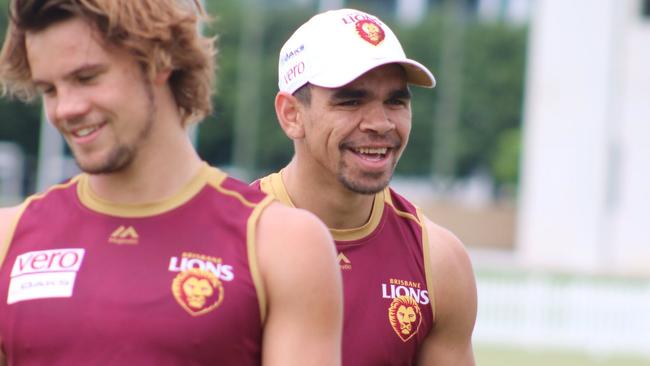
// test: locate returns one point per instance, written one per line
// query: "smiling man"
(150, 256)
(344, 100)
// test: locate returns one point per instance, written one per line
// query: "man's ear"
(288, 109)
(161, 77)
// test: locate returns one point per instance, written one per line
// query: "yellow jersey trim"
(410, 216)
(251, 247)
(367, 228)
(274, 185)
(89, 199)
(216, 182)
(426, 249)
(11, 230)
(428, 271)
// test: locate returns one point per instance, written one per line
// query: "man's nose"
(377, 119)
(68, 105)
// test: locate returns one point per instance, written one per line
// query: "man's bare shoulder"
(454, 293)
(443, 242)
(288, 226)
(297, 260)
(450, 261)
(7, 216)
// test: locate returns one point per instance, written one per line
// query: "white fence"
(593, 315)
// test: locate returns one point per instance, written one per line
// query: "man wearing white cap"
(409, 290)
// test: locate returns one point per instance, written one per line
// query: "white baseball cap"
(335, 47)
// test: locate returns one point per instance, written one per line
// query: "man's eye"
(85, 78)
(350, 103)
(46, 90)
(396, 102)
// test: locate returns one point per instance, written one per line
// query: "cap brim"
(416, 73)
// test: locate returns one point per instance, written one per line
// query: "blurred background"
(532, 149)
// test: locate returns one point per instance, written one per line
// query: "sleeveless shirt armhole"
(428, 271)
(389, 200)
(9, 235)
(251, 231)
(5, 242)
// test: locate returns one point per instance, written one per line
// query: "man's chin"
(113, 164)
(368, 184)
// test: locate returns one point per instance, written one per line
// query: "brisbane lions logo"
(197, 291)
(370, 31)
(405, 317)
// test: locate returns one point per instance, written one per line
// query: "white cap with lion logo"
(336, 47)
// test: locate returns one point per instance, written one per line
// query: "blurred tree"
(273, 148)
(493, 98)
(490, 102)
(505, 161)
(19, 122)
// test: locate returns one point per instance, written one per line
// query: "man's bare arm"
(450, 341)
(7, 217)
(297, 260)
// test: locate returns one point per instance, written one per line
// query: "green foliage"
(490, 106)
(274, 149)
(421, 43)
(19, 123)
(505, 161)
(492, 94)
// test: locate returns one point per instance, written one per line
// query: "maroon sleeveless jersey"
(388, 307)
(88, 282)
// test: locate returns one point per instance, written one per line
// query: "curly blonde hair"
(160, 34)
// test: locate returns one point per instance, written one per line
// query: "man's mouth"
(86, 131)
(371, 153)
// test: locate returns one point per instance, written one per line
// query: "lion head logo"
(197, 291)
(370, 31)
(405, 317)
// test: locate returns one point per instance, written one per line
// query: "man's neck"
(334, 204)
(164, 163)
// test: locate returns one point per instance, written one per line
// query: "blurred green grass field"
(502, 356)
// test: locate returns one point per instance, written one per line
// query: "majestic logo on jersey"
(44, 274)
(370, 31)
(188, 260)
(405, 317)
(343, 261)
(197, 291)
(124, 235)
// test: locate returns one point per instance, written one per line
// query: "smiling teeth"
(85, 131)
(370, 150)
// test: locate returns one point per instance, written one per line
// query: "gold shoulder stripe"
(55, 187)
(275, 186)
(265, 185)
(217, 184)
(428, 271)
(253, 264)
(5, 242)
(389, 201)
